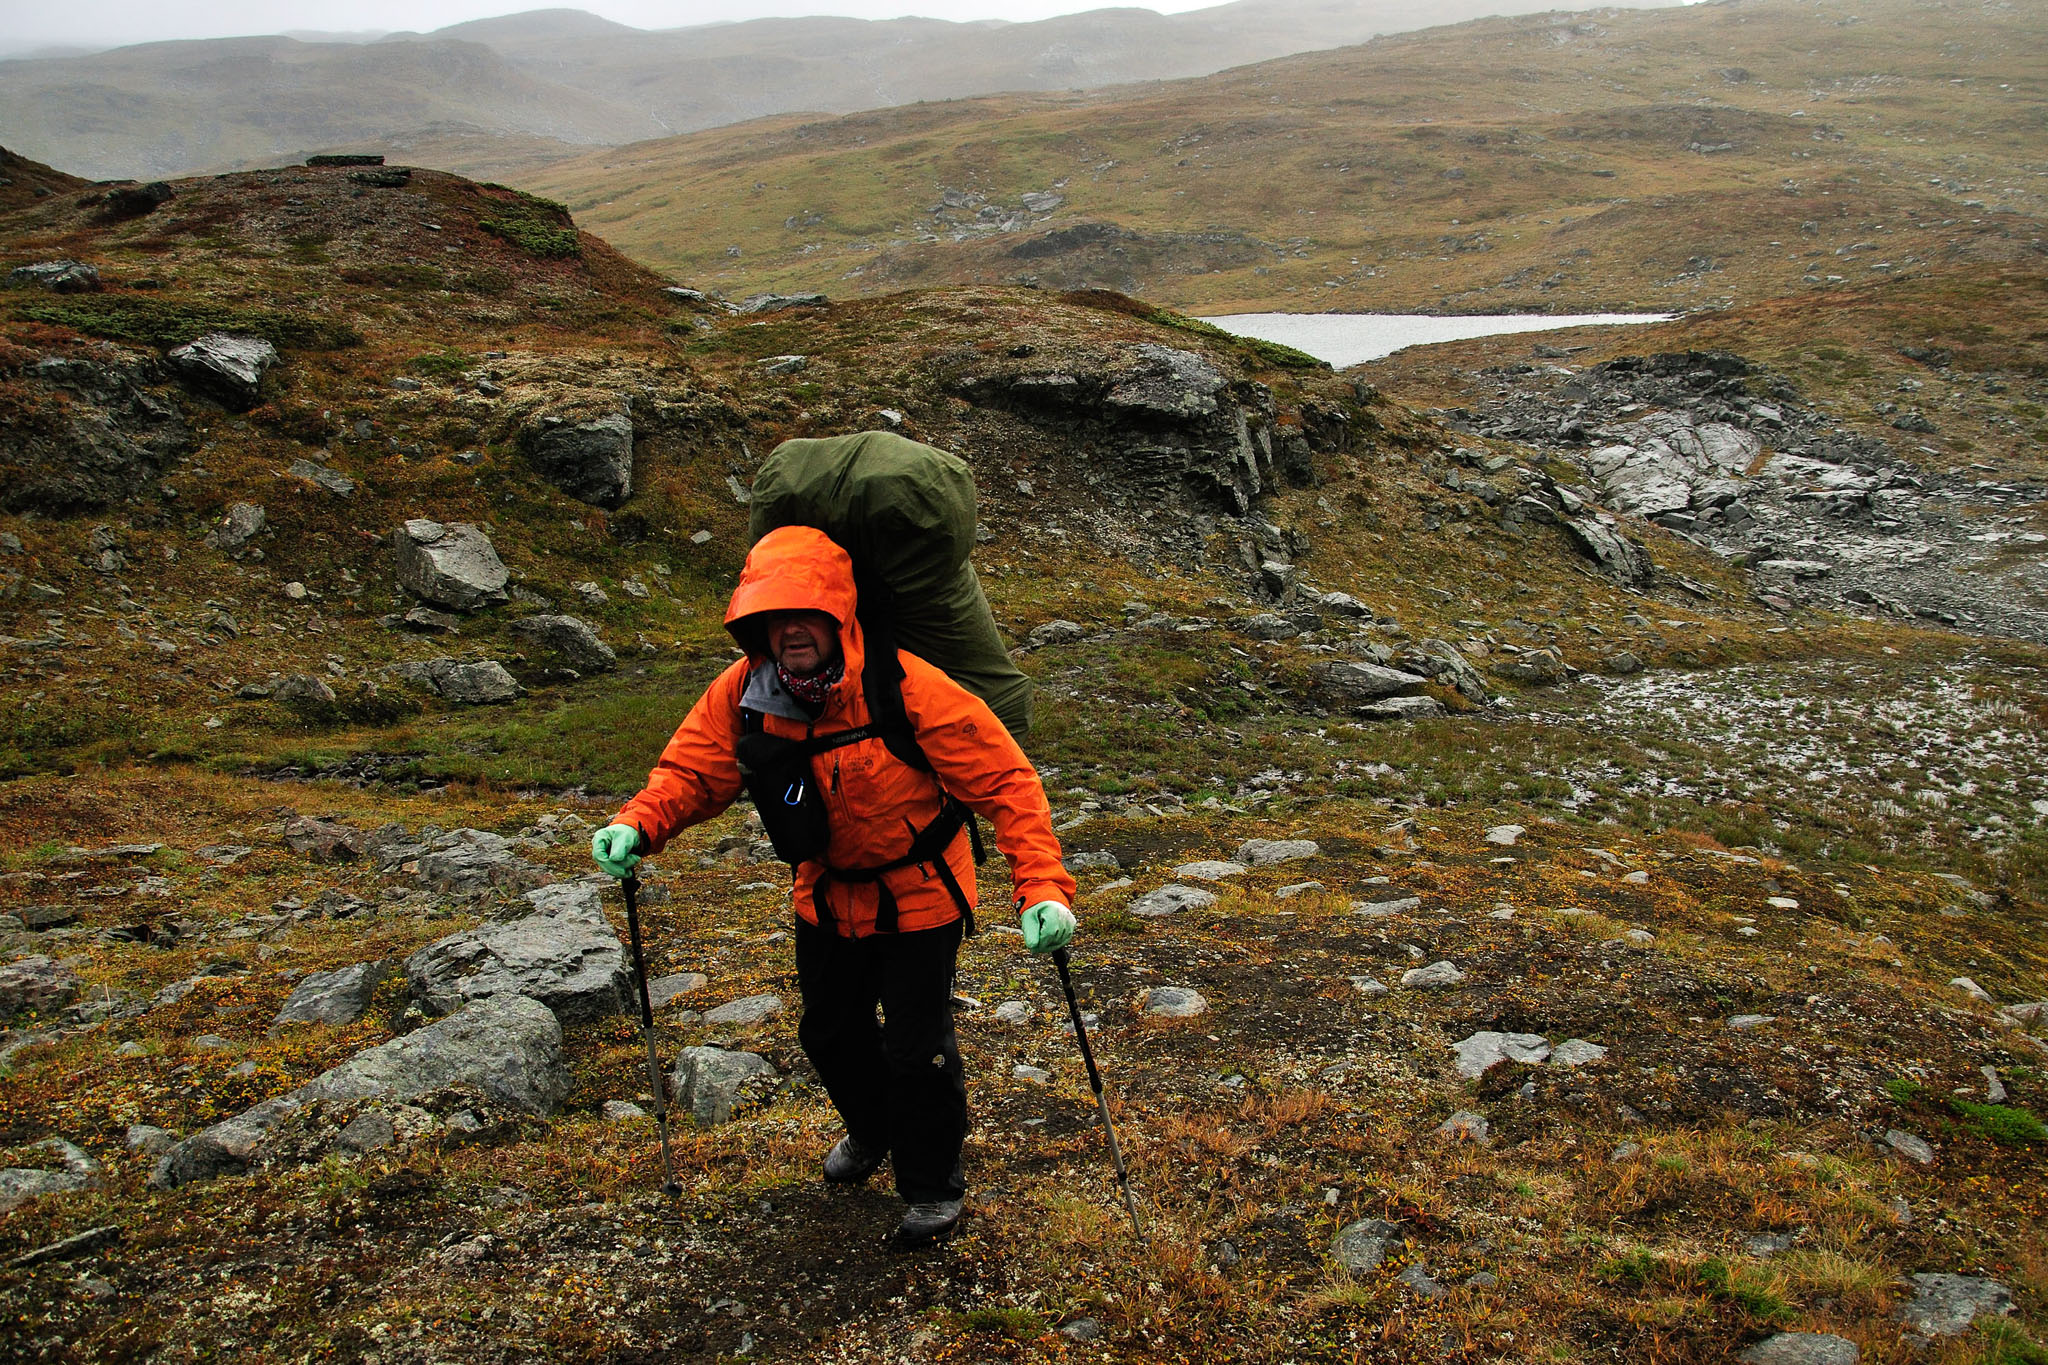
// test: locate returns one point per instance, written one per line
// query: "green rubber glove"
(1047, 925)
(616, 848)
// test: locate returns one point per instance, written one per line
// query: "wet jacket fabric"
(877, 803)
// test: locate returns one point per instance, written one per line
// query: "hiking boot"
(928, 1222)
(849, 1163)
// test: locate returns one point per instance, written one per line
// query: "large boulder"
(590, 461)
(1442, 661)
(1601, 541)
(507, 1047)
(336, 998)
(59, 277)
(73, 1170)
(86, 433)
(568, 641)
(1345, 682)
(229, 368)
(472, 862)
(565, 954)
(450, 565)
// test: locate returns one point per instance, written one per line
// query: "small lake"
(1349, 338)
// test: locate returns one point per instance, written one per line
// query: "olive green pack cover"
(905, 512)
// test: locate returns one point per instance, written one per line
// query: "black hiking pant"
(897, 1083)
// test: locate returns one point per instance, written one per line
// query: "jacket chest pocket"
(871, 786)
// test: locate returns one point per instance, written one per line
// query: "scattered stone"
(321, 477)
(324, 841)
(1269, 626)
(1625, 1151)
(1056, 633)
(1481, 1279)
(19, 1184)
(1973, 990)
(666, 990)
(59, 277)
(1210, 870)
(1994, 1089)
(1400, 708)
(229, 368)
(36, 985)
(370, 1131)
(1381, 909)
(1175, 1002)
(568, 640)
(466, 682)
(241, 524)
(1418, 1279)
(1537, 667)
(335, 998)
(1266, 852)
(1289, 892)
(777, 365)
(1743, 1023)
(1348, 684)
(1766, 1244)
(452, 565)
(1434, 975)
(565, 955)
(1369, 987)
(1505, 835)
(476, 862)
(745, 1012)
(1081, 1329)
(1024, 1072)
(1802, 1348)
(1906, 1145)
(1465, 1126)
(70, 1248)
(775, 303)
(1486, 1049)
(302, 687)
(1574, 1052)
(1012, 1013)
(1361, 1246)
(711, 1083)
(1946, 1305)
(148, 1140)
(507, 1046)
(1171, 900)
(622, 1111)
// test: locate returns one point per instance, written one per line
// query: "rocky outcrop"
(334, 998)
(86, 433)
(467, 682)
(450, 565)
(1343, 683)
(35, 985)
(563, 954)
(1158, 420)
(507, 1047)
(566, 642)
(225, 367)
(590, 461)
(59, 277)
(475, 862)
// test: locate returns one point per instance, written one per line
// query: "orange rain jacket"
(876, 801)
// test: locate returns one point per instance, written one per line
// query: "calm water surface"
(1349, 338)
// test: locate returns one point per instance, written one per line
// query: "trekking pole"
(1116, 1156)
(631, 886)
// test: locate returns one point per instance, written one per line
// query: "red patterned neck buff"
(811, 690)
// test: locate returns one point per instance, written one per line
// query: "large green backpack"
(905, 513)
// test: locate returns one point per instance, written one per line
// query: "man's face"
(803, 641)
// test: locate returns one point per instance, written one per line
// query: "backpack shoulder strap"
(881, 678)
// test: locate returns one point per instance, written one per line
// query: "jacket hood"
(795, 568)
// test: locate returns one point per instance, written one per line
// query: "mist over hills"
(493, 94)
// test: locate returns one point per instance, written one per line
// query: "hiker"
(880, 915)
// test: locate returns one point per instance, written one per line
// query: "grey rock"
(1012, 1013)
(569, 640)
(1269, 626)
(1266, 852)
(1171, 900)
(1290, 891)
(1505, 835)
(149, 1140)
(76, 1170)
(1418, 1280)
(622, 1111)
(590, 461)
(1539, 667)
(1443, 663)
(1344, 604)
(711, 1083)
(508, 1047)
(228, 368)
(1175, 1002)
(1101, 858)
(1767, 1244)
(70, 1249)
(1081, 1329)
(776, 303)
(1056, 633)
(1399, 905)
(452, 565)
(1024, 1072)
(59, 277)
(1169, 384)
(1370, 987)
(1743, 1023)
(1801, 1348)
(1434, 975)
(745, 1011)
(1573, 1052)
(88, 434)
(1487, 1049)
(242, 523)
(321, 477)
(36, 985)
(1361, 1246)
(1621, 662)
(1465, 1126)
(324, 841)
(303, 687)
(1619, 557)
(466, 682)
(777, 365)
(1210, 870)
(664, 991)
(335, 998)
(475, 861)
(1906, 1145)
(564, 955)
(370, 1131)
(1946, 1305)
(1348, 683)
(1973, 990)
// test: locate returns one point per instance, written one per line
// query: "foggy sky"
(116, 23)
